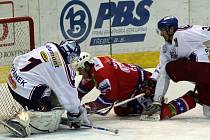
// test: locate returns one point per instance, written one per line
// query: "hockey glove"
(76, 120)
(94, 106)
(148, 87)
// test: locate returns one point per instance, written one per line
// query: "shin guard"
(177, 106)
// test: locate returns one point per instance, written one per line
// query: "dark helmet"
(167, 22)
(71, 50)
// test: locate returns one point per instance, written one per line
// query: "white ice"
(191, 125)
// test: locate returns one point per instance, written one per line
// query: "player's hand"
(76, 120)
(93, 106)
(88, 108)
(148, 87)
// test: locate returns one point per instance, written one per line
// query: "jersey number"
(34, 63)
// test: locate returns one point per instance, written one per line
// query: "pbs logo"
(75, 21)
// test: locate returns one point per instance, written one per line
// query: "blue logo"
(75, 21)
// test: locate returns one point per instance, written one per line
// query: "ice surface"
(191, 125)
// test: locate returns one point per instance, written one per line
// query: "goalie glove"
(76, 120)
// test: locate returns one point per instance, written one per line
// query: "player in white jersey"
(183, 57)
(34, 76)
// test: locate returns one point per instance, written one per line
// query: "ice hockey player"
(32, 78)
(116, 82)
(183, 57)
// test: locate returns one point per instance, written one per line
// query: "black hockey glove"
(148, 87)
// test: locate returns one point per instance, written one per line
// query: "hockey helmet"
(167, 22)
(71, 49)
(83, 58)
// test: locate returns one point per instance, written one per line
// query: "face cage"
(71, 58)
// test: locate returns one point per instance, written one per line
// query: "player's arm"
(156, 72)
(62, 82)
(108, 89)
(100, 103)
(68, 98)
(161, 86)
(163, 80)
(84, 87)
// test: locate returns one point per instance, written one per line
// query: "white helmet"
(80, 63)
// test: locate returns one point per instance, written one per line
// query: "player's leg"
(179, 105)
(204, 94)
(198, 72)
(26, 104)
(188, 70)
(206, 111)
(204, 98)
(37, 103)
(33, 122)
(130, 108)
(136, 107)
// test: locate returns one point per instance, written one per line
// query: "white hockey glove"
(76, 120)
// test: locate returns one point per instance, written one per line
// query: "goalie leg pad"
(177, 106)
(19, 126)
(33, 122)
(43, 122)
(14, 127)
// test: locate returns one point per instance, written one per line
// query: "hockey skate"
(152, 113)
(194, 95)
(15, 128)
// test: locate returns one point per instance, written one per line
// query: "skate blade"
(154, 117)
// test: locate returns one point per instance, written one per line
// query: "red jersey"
(115, 80)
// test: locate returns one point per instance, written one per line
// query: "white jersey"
(42, 69)
(186, 41)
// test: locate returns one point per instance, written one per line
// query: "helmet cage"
(71, 49)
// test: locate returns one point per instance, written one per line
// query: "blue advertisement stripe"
(117, 39)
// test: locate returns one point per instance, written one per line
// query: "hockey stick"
(64, 121)
(106, 110)
(115, 131)
(103, 111)
(128, 100)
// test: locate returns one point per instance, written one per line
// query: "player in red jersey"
(116, 82)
